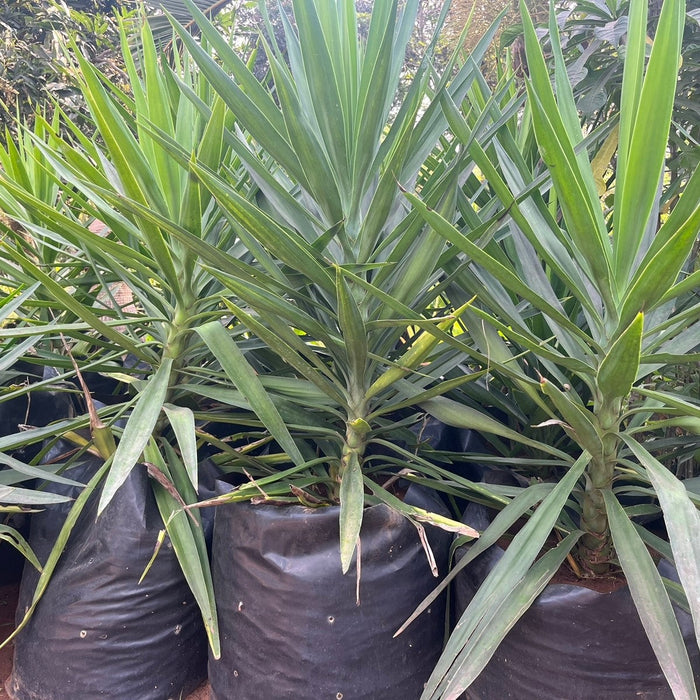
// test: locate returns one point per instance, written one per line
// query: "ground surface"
(8, 603)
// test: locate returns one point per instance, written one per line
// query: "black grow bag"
(290, 626)
(97, 633)
(572, 643)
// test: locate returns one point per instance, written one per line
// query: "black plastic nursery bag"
(97, 632)
(289, 621)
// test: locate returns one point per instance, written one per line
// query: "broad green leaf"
(682, 521)
(138, 431)
(352, 503)
(354, 336)
(187, 539)
(243, 376)
(471, 642)
(619, 368)
(651, 599)
(181, 419)
(646, 145)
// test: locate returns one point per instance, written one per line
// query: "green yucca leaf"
(134, 170)
(420, 348)
(290, 249)
(656, 278)
(651, 599)
(571, 176)
(152, 101)
(14, 300)
(464, 657)
(619, 368)
(29, 497)
(289, 347)
(499, 271)
(632, 80)
(459, 415)
(201, 248)
(245, 379)
(267, 303)
(682, 521)
(444, 386)
(317, 171)
(187, 538)
(352, 503)
(526, 340)
(683, 211)
(492, 630)
(323, 79)
(578, 419)
(354, 334)
(378, 74)
(504, 520)
(181, 420)
(672, 401)
(68, 301)
(643, 142)
(27, 471)
(253, 106)
(564, 92)
(137, 432)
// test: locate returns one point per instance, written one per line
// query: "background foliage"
(33, 68)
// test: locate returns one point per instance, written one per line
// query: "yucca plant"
(83, 249)
(22, 383)
(343, 288)
(578, 308)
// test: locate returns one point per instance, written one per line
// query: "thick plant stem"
(355, 434)
(596, 550)
(176, 343)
